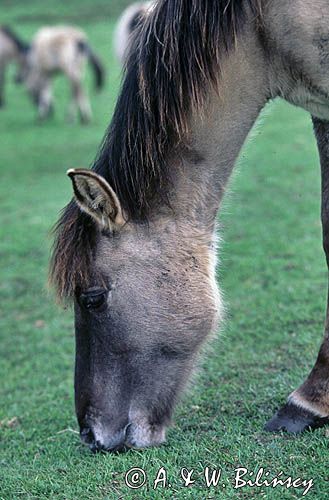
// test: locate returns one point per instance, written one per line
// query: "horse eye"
(92, 299)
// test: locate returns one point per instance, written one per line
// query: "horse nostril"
(126, 431)
(96, 446)
(99, 442)
(87, 435)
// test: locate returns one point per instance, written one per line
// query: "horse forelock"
(176, 55)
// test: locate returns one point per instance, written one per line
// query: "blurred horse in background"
(12, 49)
(61, 49)
(128, 22)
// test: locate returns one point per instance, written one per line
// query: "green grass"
(272, 271)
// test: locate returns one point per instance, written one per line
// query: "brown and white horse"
(129, 20)
(61, 49)
(12, 49)
(135, 250)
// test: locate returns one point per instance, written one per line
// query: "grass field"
(272, 271)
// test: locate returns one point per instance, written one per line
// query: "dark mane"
(18, 42)
(176, 56)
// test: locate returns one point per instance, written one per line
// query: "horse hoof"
(293, 419)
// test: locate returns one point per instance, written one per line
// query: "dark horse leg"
(308, 406)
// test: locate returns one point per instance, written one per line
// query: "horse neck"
(218, 133)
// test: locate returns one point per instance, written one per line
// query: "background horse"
(61, 49)
(12, 48)
(136, 250)
(128, 22)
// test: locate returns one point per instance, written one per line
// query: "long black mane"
(20, 44)
(176, 55)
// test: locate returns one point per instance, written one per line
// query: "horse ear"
(96, 197)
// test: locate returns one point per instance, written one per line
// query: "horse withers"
(65, 50)
(12, 49)
(136, 249)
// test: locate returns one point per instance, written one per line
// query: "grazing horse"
(12, 49)
(136, 249)
(128, 22)
(61, 49)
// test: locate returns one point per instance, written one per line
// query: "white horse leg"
(45, 105)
